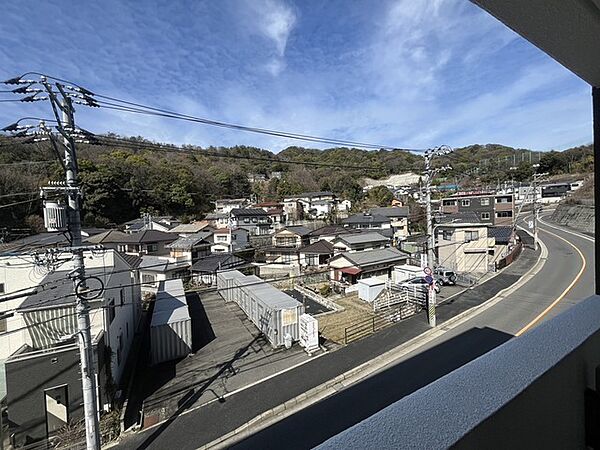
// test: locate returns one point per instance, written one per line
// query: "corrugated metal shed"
(171, 326)
(274, 313)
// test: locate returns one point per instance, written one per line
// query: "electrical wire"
(139, 108)
(19, 203)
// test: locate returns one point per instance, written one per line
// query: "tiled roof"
(372, 257)
(361, 238)
(501, 234)
(319, 247)
(187, 242)
(398, 211)
(363, 218)
(240, 212)
(298, 229)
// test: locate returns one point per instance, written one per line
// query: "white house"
(43, 370)
(228, 240)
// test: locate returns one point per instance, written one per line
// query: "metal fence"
(508, 259)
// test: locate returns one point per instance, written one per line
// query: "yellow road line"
(564, 293)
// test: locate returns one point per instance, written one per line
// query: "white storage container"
(273, 312)
(171, 326)
(370, 288)
(406, 272)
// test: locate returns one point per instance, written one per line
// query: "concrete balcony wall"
(526, 393)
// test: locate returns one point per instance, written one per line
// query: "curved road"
(566, 278)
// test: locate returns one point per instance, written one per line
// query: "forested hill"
(124, 176)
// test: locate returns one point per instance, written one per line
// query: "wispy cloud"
(407, 73)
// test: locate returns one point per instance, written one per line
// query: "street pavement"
(326, 418)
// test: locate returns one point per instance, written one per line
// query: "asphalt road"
(471, 339)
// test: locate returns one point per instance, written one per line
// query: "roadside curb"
(368, 368)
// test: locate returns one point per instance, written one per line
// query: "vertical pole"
(88, 372)
(535, 213)
(596, 109)
(431, 305)
(430, 242)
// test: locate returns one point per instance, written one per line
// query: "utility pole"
(66, 126)
(537, 177)
(430, 172)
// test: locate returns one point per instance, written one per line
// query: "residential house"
(463, 244)
(192, 247)
(348, 268)
(275, 211)
(316, 254)
(255, 220)
(398, 216)
(190, 228)
(146, 242)
(490, 207)
(327, 233)
(205, 270)
(367, 220)
(356, 242)
(286, 243)
(310, 205)
(225, 205)
(416, 248)
(43, 380)
(149, 222)
(218, 220)
(227, 240)
(153, 269)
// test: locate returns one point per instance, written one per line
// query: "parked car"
(445, 277)
(420, 281)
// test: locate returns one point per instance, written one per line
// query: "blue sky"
(412, 73)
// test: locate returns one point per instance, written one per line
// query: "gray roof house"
(352, 242)
(350, 267)
(367, 220)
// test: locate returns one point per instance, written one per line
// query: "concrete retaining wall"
(580, 217)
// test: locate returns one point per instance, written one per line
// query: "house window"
(3, 325)
(485, 216)
(1, 288)
(119, 348)
(147, 279)
(111, 311)
(121, 297)
(485, 201)
(234, 237)
(254, 220)
(222, 238)
(447, 235)
(465, 202)
(246, 220)
(152, 248)
(504, 199)
(504, 214)
(471, 236)
(449, 203)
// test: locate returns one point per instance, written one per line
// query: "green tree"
(381, 196)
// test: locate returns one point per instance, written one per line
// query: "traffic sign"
(429, 279)
(427, 270)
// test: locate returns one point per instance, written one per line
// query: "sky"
(402, 73)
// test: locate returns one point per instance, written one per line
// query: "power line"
(19, 203)
(90, 99)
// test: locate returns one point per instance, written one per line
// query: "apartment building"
(491, 208)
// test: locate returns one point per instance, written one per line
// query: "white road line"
(579, 235)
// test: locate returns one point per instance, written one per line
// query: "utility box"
(55, 216)
(309, 333)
